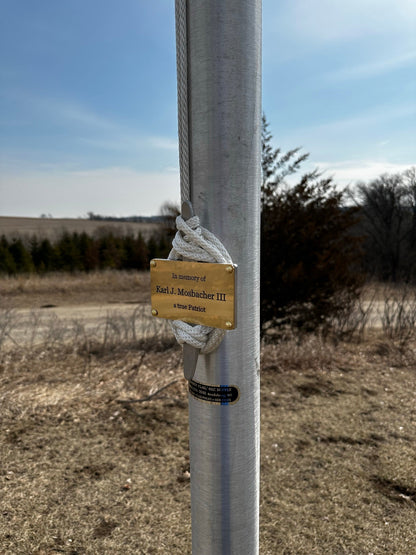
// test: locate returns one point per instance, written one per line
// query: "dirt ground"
(89, 464)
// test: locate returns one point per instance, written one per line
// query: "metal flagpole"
(224, 117)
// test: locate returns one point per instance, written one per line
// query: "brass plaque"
(194, 292)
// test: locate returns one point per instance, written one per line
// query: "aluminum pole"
(224, 91)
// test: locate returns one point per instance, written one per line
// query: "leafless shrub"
(351, 323)
(33, 328)
(294, 352)
(112, 333)
(118, 332)
(398, 317)
(7, 320)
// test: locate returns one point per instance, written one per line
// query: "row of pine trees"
(80, 252)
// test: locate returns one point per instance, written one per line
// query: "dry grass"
(339, 468)
(35, 291)
(85, 472)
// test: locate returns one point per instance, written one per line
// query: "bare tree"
(169, 211)
(388, 209)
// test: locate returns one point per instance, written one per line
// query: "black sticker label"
(214, 394)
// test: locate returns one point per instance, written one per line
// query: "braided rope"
(182, 81)
(192, 241)
(197, 243)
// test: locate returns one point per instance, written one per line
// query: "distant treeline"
(311, 239)
(135, 219)
(80, 252)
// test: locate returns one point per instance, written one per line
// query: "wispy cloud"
(164, 143)
(73, 112)
(327, 20)
(376, 116)
(349, 172)
(86, 126)
(104, 132)
(59, 110)
(107, 143)
(372, 69)
(122, 140)
(296, 29)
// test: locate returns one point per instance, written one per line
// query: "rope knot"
(194, 242)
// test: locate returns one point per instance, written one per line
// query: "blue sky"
(88, 112)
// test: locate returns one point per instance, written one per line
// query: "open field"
(52, 228)
(92, 463)
(95, 288)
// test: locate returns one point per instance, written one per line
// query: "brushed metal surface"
(225, 123)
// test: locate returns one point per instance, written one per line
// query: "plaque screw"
(153, 263)
(154, 312)
(229, 269)
(228, 325)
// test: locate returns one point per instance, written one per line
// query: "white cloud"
(115, 190)
(349, 172)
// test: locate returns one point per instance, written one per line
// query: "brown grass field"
(52, 228)
(83, 470)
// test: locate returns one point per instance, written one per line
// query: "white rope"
(192, 241)
(197, 243)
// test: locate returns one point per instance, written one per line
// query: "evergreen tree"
(89, 252)
(152, 247)
(275, 165)
(111, 252)
(21, 256)
(47, 257)
(7, 263)
(135, 253)
(34, 251)
(68, 255)
(309, 256)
